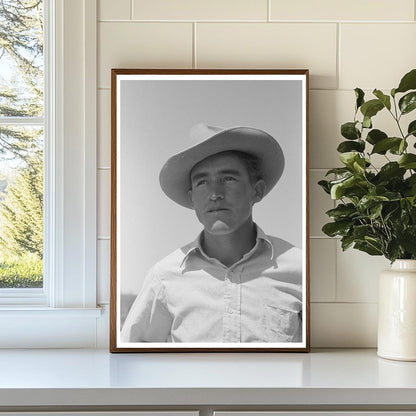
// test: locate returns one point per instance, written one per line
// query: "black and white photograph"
(209, 210)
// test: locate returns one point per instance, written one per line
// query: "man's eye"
(200, 182)
(229, 179)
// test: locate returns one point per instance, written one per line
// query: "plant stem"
(397, 118)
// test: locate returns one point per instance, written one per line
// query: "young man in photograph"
(234, 283)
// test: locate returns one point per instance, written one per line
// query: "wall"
(345, 44)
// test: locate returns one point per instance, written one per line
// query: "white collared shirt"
(189, 297)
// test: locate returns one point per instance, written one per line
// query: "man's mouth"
(213, 210)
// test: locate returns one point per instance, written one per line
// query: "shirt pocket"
(279, 325)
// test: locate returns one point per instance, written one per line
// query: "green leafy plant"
(376, 210)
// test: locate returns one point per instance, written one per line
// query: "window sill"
(35, 311)
(40, 327)
(330, 379)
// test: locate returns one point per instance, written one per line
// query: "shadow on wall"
(126, 302)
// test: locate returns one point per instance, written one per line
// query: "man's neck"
(230, 248)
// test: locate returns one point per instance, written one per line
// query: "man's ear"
(259, 190)
(190, 197)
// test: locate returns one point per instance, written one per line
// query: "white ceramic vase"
(397, 312)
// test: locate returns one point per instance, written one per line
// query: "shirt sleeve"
(148, 319)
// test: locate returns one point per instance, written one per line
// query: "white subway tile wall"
(345, 44)
(376, 55)
(104, 128)
(349, 325)
(114, 10)
(103, 270)
(200, 10)
(323, 269)
(328, 109)
(357, 275)
(146, 45)
(270, 45)
(319, 203)
(104, 202)
(355, 10)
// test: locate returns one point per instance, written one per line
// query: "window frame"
(65, 313)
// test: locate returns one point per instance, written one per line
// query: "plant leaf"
(368, 201)
(371, 108)
(383, 145)
(367, 122)
(325, 186)
(402, 147)
(408, 102)
(375, 211)
(342, 211)
(391, 170)
(399, 148)
(349, 146)
(374, 242)
(411, 130)
(338, 189)
(411, 182)
(346, 242)
(348, 158)
(336, 228)
(368, 248)
(407, 239)
(349, 131)
(408, 161)
(393, 250)
(385, 99)
(375, 136)
(408, 82)
(359, 165)
(338, 171)
(359, 95)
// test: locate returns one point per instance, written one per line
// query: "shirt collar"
(261, 235)
(196, 244)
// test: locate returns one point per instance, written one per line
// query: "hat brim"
(174, 178)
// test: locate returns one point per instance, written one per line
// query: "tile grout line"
(338, 65)
(308, 22)
(336, 246)
(322, 302)
(108, 89)
(194, 63)
(322, 237)
(335, 254)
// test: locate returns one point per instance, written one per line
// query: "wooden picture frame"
(152, 112)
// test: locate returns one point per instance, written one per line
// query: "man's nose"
(216, 191)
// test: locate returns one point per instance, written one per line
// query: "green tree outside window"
(21, 143)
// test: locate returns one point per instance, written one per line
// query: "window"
(63, 312)
(22, 127)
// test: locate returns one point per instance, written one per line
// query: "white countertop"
(96, 377)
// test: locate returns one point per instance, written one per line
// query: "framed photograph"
(209, 211)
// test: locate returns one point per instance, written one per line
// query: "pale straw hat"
(206, 141)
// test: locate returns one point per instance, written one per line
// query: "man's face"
(222, 193)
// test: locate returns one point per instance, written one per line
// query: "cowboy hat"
(174, 178)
